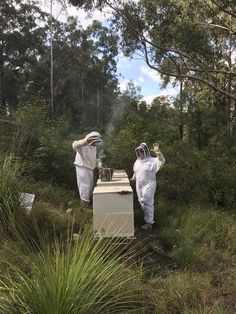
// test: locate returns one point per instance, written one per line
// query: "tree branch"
(223, 9)
(188, 76)
(205, 69)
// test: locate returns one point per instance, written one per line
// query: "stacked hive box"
(113, 207)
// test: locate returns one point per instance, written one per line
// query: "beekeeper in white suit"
(85, 163)
(145, 169)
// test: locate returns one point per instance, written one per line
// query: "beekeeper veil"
(95, 137)
(142, 148)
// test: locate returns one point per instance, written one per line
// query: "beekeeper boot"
(85, 205)
(146, 227)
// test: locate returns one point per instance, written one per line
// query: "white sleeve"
(76, 145)
(160, 161)
(135, 167)
(133, 177)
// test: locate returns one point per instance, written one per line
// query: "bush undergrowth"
(86, 276)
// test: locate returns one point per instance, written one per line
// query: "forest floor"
(189, 258)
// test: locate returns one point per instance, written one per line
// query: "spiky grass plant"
(9, 194)
(84, 276)
(15, 220)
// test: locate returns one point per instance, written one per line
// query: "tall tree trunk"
(199, 130)
(82, 99)
(232, 103)
(51, 63)
(98, 110)
(2, 101)
(181, 125)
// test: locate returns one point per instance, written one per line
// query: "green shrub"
(45, 149)
(182, 178)
(59, 197)
(221, 182)
(122, 152)
(206, 239)
(46, 219)
(53, 158)
(48, 214)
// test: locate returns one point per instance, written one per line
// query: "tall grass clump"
(206, 239)
(185, 292)
(9, 191)
(84, 276)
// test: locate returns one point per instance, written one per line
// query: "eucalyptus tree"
(21, 43)
(101, 77)
(187, 40)
(85, 80)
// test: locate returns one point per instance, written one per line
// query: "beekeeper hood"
(142, 148)
(95, 137)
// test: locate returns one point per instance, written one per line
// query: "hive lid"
(114, 182)
(120, 189)
(119, 170)
(119, 174)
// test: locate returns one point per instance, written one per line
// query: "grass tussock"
(57, 196)
(186, 292)
(86, 276)
(10, 209)
(190, 267)
(206, 238)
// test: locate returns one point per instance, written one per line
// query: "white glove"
(133, 177)
(84, 141)
(156, 148)
(161, 157)
(99, 163)
(158, 153)
(79, 144)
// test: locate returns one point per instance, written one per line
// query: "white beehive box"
(119, 174)
(113, 210)
(116, 181)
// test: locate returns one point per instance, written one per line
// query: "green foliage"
(84, 70)
(87, 276)
(202, 236)
(190, 174)
(127, 139)
(183, 39)
(58, 197)
(221, 174)
(22, 40)
(202, 244)
(186, 292)
(45, 149)
(45, 217)
(196, 133)
(53, 159)
(123, 154)
(183, 176)
(9, 192)
(163, 121)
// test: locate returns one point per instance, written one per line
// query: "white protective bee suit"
(145, 175)
(85, 163)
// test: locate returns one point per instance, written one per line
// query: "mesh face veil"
(142, 149)
(95, 138)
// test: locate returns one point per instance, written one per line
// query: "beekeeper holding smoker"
(85, 163)
(145, 169)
